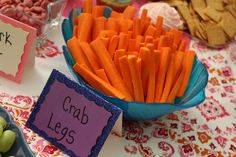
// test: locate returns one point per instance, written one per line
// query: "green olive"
(7, 140)
(3, 122)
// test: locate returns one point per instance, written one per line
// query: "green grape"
(7, 140)
(3, 122)
(1, 130)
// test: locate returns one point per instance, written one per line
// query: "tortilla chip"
(215, 35)
(212, 14)
(228, 24)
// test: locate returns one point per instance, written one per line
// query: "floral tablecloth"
(207, 130)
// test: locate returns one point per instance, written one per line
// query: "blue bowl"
(194, 94)
(20, 148)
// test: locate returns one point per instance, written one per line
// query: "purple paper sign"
(72, 117)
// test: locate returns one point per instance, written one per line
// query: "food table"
(206, 130)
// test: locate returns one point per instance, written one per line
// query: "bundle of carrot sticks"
(128, 57)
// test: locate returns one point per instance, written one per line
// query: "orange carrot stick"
(136, 79)
(119, 53)
(157, 60)
(150, 46)
(102, 74)
(85, 29)
(151, 79)
(176, 87)
(112, 24)
(97, 82)
(139, 64)
(145, 54)
(105, 42)
(133, 53)
(129, 12)
(123, 41)
(109, 67)
(91, 56)
(188, 64)
(115, 14)
(163, 42)
(136, 28)
(75, 31)
(182, 45)
(139, 39)
(106, 34)
(123, 62)
(159, 24)
(141, 45)
(169, 80)
(144, 20)
(163, 31)
(160, 80)
(77, 52)
(125, 25)
(144, 14)
(178, 63)
(75, 22)
(151, 30)
(157, 57)
(170, 36)
(98, 11)
(144, 24)
(148, 39)
(88, 6)
(132, 43)
(156, 43)
(113, 45)
(174, 47)
(177, 35)
(130, 34)
(80, 20)
(98, 26)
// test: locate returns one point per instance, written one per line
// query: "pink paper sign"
(72, 117)
(16, 41)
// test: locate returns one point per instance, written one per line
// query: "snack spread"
(213, 21)
(129, 57)
(171, 16)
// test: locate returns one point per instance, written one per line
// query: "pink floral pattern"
(211, 109)
(48, 50)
